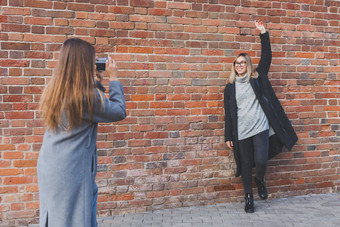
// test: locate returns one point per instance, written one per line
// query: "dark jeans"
(253, 149)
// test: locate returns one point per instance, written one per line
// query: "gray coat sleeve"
(112, 108)
(99, 86)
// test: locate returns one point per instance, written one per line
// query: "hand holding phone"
(107, 66)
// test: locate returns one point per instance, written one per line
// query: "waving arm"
(266, 52)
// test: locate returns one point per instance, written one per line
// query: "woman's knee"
(261, 163)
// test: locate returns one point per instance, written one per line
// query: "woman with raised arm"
(72, 106)
(256, 126)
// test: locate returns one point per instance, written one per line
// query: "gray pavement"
(310, 210)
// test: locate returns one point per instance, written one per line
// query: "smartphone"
(101, 64)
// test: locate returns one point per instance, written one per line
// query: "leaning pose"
(256, 126)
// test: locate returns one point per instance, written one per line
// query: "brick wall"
(174, 58)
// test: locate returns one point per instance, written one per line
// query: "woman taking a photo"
(72, 106)
(256, 126)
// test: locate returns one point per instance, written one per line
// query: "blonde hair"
(71, 89)
(253, 73)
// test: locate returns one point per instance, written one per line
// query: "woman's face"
(241, 65)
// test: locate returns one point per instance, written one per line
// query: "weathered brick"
(19, 115)
(142, 3)
(174, 59)
(80, 7)
(17, 180)
(15, 11)
(58, 30)
(15, 28)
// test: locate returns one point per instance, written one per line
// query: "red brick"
(59, 30)
(159, 27)
(142, 3)
(3, 19)
(156, 194)
(17, 180)
(23, 147)
(160, 12)
(155, 150)
(38, 21)
(140, 50)
(192, 191)
(38, 37)
(15, 28)
(16, 11)
(38, 4)
(32, 205)
(155, 135)
(8, 189)
(142, 97)
(214, 8)
(305, 55)
(102, 33)
(4, 147)
(80, 7)
(25, 163)
(19, 115)
(17, 206)
(139, 143)
(121, 25)
(15, 46)
(179, 5)
(161, 105)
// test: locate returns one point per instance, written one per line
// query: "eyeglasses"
(242, 63)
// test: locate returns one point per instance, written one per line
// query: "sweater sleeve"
(266, 55)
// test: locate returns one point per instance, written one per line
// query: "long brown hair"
(71, 88)
(250, 70)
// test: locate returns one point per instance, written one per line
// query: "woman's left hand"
(260, 26)
(99, 76)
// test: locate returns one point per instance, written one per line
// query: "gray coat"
(67, 166)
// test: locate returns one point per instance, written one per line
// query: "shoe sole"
(249, 211)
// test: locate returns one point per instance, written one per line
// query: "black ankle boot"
(249, 208)
(261, 188)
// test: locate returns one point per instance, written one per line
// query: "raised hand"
(260, 26)
(111, 69)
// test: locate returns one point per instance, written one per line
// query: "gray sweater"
(251, 119)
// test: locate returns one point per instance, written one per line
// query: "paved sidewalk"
(309, 211)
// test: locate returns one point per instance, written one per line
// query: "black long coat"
(284, 132)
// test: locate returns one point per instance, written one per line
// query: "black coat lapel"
(232, 101)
